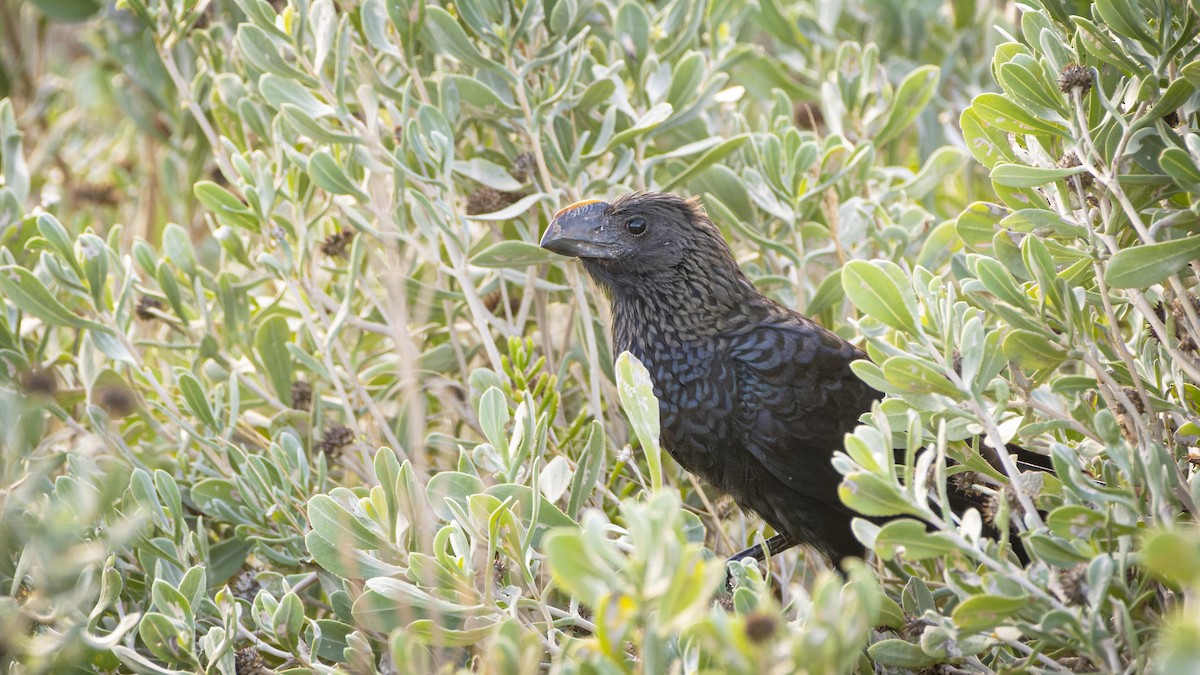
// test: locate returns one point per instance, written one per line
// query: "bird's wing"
(797, 397)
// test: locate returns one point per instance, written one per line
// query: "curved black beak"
(581, 231)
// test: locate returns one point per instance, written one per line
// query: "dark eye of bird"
(636, 226)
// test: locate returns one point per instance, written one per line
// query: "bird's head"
(640, 237)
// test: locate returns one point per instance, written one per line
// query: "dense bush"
(287, 383)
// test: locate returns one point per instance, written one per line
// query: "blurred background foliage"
(286, 383)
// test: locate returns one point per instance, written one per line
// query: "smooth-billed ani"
(754, 397)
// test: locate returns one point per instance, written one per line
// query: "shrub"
(288, 383)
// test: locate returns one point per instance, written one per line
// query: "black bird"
(754, 397)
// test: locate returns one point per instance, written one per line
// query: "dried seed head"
(914, 626)
(523, 167)
(1179, 314)
(302, 395)
(499, 567)
(990, 509)
(964, 481)
(39, 381)
(335, 244)
(145, 307)
(487, 200)
(1132, 394)
(1075, 76)
(1187, 342)
(244, 585)
(1071, 160)
(1073, 584)
(760, 626)
(1172, 118)
(336, 438)
(116, 399)
(103, 195)
(249, 662)
(492, 301)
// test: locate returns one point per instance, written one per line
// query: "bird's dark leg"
(774, 546)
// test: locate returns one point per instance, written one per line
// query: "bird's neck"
(676, 306)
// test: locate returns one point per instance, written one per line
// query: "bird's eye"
(636, 226)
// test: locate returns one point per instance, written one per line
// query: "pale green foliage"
(285, 376)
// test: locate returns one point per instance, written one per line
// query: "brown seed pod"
(39, 381)
(249, 662)
(146, 307)
(1075, 76)
(335, 244)
(335, 440)
(487, 200)
(964, 481)
(760, 626)
(244, 585)
(118, 400)
(302, 395)
(1073, 584)
(1071, 160)
(1179, 314)
(523, 167)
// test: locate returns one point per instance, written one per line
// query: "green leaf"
(1033, 351)
(872, 495)
(879, 289)
(912, 96)
(177, 244)
(340, 527)
(1020, 176)
(587, 471)
(487, 173)
(494, 416)
(1148, 264)
(901, 654)
(706, 160)
(347, 563)
(455, 486)
(997, 111)
(918, 375)
(1182, 169)
(636, 392)
(982, 612)
(228, 209)
(1023, 81)
(280, 90)
(266, 54)
(912, 538)
(1173, 555)
(194, 398)
(978, 223)
(442, 34)
(270, 341)
(169, 640)
(1125, 18)
(329, 175)
(27, 292)
(54, 233)
(431, 632)
(651, 119)
(513, 254)
(288, 620)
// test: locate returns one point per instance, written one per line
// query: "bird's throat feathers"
(691, 297)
